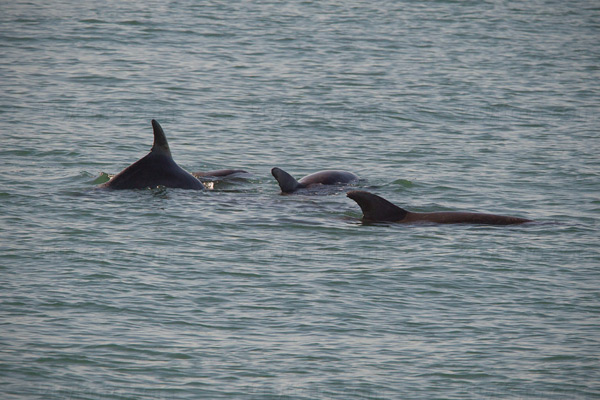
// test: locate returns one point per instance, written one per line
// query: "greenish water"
(242, 293)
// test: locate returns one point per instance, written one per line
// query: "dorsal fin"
(377, 208)
(287, 183)
(160, 140)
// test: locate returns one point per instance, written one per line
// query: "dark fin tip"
(160, 139)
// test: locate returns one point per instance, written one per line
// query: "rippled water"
(242, 293)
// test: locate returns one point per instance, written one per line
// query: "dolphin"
(377, 208)
(157, 168)
(220, 173)
(288, 184)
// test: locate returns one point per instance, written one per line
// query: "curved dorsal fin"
(287, 183)
(160, 140)
(377, 208)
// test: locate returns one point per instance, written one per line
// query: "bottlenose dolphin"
(219, 173)
(157, 168)
(377, 208)
(288, 184)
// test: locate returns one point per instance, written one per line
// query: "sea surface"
(240, 292)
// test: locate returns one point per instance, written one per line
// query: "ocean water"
(240, 292)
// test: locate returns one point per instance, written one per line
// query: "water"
(242, 293)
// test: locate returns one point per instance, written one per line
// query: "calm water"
(242, 293)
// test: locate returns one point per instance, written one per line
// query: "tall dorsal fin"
(377, 208)
(160, 140)
(287, 183)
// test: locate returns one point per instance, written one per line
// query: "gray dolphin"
(377, 208)
(288, 184)
(220, 173)
(157, 168)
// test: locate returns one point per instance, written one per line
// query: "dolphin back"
(328, 177)
(157, 168)
(152, 171)
(377, 208)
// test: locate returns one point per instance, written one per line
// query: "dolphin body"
(377, 208)
(220, 173)
(289, 184)
(157, 168)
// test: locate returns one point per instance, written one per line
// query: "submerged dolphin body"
(288, 184)
(220, 173)
(377, 208)
(157, 168)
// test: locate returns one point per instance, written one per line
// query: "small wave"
(102, 178)
(403, 182)
(92, 21)
(131, 22)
